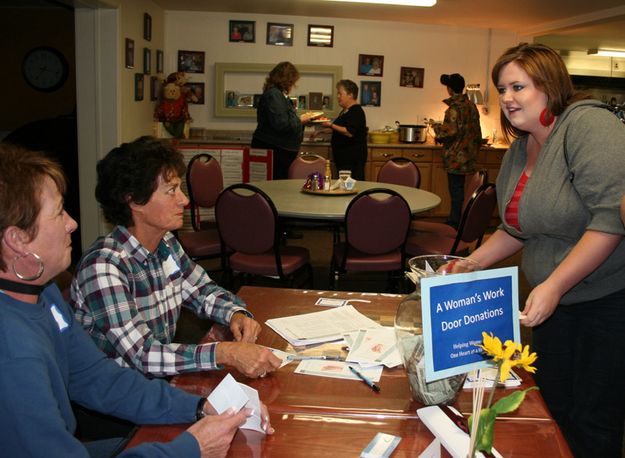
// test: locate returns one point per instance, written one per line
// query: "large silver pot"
(414, 133)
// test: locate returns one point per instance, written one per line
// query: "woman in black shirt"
(349, 132)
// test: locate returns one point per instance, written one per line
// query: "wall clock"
(45, 69)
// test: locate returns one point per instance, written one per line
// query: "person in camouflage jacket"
(461, 137)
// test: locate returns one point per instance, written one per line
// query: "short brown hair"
(349, 86)
(547, 70)
(21, 177)
(129, 173)
(283, 76)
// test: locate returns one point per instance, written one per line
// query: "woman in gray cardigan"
(559, 191)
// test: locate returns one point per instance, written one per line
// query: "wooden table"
(291, 203)
(316, 416)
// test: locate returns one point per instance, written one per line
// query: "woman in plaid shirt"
(131, 284)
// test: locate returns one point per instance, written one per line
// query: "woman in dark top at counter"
(279, 128)
(349, 131)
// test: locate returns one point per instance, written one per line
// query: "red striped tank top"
(512, 210)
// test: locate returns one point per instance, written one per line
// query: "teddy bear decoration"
(172, 109)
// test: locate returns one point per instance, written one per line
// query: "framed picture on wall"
(147, 27)
(159, 61)
(315, 100)
(370, 65)
(321, 35)
(139, 87)
(279, 34)
(411, 77)
(196, 90)
(370, 93)
(302, 102)
(147, 61)
(155, 88)
(244, 31)
(191, 61)
(130, 53)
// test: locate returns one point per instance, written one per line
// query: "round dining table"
(292, 203)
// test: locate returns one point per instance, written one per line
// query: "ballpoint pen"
(365, 379)
(303, 357)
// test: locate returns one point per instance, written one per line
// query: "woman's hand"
(249, 359)
(214, 433)
(244, 328)
(265, 422)
(540, 305)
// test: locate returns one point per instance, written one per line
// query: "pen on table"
(303, 357)
(365, 379)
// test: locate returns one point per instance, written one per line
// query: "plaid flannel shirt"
(129, 301)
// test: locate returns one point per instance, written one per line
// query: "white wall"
(437, 49)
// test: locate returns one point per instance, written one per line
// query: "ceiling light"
(606, 52)
(392, 2)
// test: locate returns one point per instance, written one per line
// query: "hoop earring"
(546, 117)
(25, 277)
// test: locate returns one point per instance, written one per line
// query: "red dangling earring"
(546, 117)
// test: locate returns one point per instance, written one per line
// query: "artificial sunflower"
(505, 357)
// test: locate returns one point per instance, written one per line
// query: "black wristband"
(199, 411)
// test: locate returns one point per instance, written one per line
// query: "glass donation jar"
(409, 330)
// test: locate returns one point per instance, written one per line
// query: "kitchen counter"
(245, 138)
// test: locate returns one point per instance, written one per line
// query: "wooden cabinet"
(433, 174)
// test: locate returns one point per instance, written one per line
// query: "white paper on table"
(489, 375)
(325, 326)
(283, 355)
(375, 346)
(381, 446)
(453, 438)
(337, 369)
(228, 394)
(253, 422)
(433, 450)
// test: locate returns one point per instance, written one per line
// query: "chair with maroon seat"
(399, 170)
(473, 225)
(305, 164)
(301, 167)
(204, 183)
(250, 232)
(477, 180)
(376, 227)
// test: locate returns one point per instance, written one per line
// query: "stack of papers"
(318, 327)
(373, 347)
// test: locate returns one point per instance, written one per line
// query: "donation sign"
(457, 309)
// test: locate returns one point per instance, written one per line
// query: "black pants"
(281, 158)
(455, 184)
(580, 371)
(357, 168)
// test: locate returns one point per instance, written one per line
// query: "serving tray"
(332, 192)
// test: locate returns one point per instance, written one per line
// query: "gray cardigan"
(561, 201)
